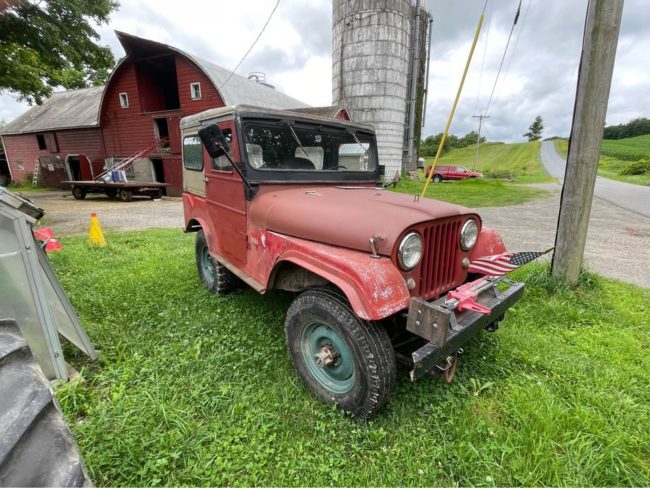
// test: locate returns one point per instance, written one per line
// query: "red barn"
(78, 133)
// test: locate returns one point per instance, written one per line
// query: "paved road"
(635, 198)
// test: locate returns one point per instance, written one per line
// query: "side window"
(353, 156)
(192, 153)
(221, 163)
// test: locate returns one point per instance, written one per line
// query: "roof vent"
(260, 78)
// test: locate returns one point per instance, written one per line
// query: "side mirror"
(214, 141)
(382, 170)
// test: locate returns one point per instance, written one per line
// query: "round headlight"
(409, 252)
(468, 235)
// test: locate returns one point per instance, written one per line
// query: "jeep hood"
(346, 216)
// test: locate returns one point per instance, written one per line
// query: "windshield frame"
(305, 176)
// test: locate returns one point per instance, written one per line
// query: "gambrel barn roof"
(238, 90)
(76, 109)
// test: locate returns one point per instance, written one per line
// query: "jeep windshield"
(305, 151)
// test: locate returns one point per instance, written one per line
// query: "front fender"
(375, 287)
(489, 242)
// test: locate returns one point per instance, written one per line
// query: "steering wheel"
(338, 166)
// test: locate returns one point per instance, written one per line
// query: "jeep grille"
(441, 268)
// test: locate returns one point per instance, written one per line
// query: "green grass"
(617, 155)
(519, 162)
(472, 193)
(194, 389)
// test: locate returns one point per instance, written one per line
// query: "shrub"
(640, 167)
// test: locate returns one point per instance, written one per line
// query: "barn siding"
(23, 148)
(128, 130)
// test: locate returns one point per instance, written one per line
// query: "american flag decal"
(501, 264)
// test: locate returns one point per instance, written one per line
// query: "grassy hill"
(619, 158)
(519, 162)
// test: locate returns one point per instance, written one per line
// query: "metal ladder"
(37, 172)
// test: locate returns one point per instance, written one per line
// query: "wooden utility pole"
(594, 81)
(478, 136)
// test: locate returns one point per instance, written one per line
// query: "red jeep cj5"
(286, 201)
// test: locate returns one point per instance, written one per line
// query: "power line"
(487, 39)
(252, 45)
(514, 48)
(514, 23)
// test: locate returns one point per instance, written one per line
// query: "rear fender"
(374, 287)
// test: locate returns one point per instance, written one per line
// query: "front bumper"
(447, 330)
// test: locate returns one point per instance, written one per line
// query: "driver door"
(224, 192)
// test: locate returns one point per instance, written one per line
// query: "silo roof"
(73, 109)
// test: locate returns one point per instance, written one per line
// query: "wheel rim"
(319, 341)
(206, 264)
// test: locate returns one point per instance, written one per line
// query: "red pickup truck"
(452, 173)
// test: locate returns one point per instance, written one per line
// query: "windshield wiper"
(295, 138)
(352, 133)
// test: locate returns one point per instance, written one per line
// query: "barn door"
(174, 127)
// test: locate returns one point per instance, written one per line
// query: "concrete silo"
(372, 65)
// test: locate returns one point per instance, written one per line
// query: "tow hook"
(447, 369)
(326, 356)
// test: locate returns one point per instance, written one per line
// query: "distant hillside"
(630, 149)
(622, 159)
(514, 161)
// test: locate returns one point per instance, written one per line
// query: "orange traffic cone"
(95, 234)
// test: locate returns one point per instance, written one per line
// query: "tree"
(535, 130)
(52, 43)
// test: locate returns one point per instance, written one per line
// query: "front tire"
(215, 276)
(341, 358)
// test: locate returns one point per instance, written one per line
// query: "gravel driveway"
(68, 216)
(618, 243)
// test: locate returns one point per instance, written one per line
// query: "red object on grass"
(46, 237)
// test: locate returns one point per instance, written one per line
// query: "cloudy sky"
(538, 77)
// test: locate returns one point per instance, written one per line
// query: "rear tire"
(437, 178)
(78, 192)
(361, 372)
(215, 276)
(126, 195)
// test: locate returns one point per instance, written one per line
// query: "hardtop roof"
(251, 111)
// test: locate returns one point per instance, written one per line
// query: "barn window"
(195, 90)
(124, 100)
(192, 153)
(40, 140)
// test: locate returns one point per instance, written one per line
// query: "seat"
(299, 163)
